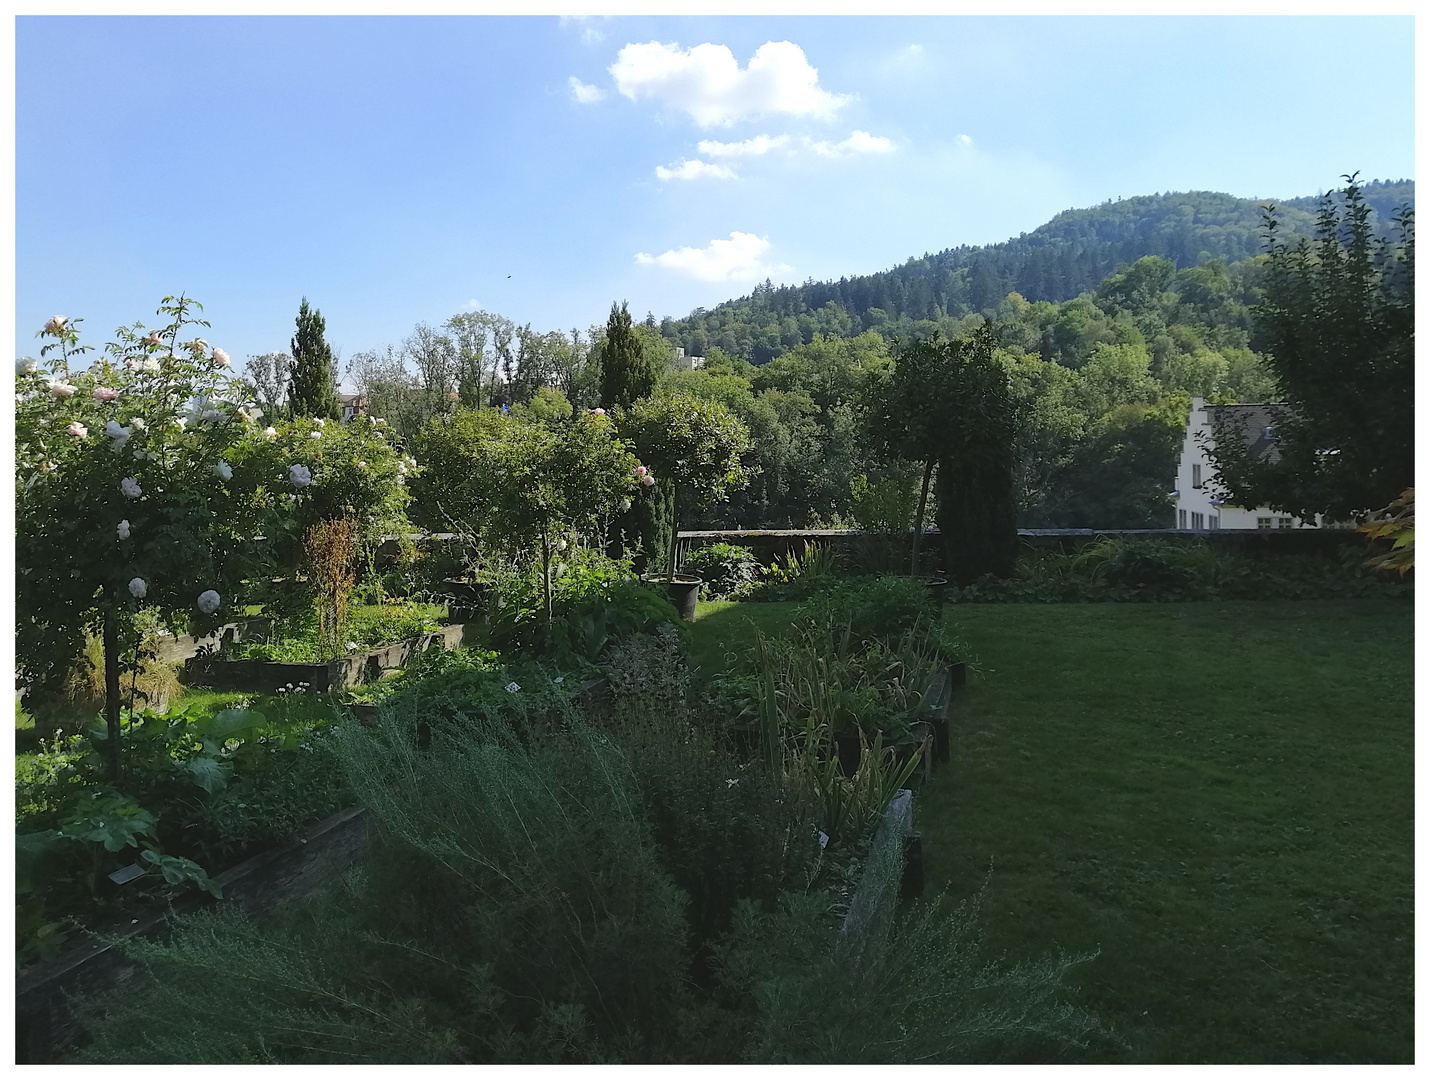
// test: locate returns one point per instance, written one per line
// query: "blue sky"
(401, 170)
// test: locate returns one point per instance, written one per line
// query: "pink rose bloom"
(598, 412)
(105, 393)
(152, 339)
(641, 470)
(78, 430)
(55, 324)
(221, 358)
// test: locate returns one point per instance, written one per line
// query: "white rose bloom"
(137, 588)
(62, 390)
(319, 421)
(183, 423)
(26, 366)
(149, 364)
(130, 486)
(78, 430)
(315, 434)
(123, 529)
(224, 470)
(221, 358)
(209, 601)
(270, 433)
(138, 424)
(362, 464)
(300, 475)
(55, 324)
(201, 343)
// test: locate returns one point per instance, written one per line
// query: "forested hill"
(1069, 255)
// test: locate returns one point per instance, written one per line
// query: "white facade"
(681, 362)
(1199, 503)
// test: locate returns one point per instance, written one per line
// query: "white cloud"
(859, 142)
(689, 170)
(966, 140)
(584, 93)
(740, 258)
(708, 83)
(760, 144)
(473, 305)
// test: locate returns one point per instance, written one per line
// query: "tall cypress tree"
(627, 373)
(312, 390)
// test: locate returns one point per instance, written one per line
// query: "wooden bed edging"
(44, 1027)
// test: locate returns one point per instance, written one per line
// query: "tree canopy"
(1337, 325)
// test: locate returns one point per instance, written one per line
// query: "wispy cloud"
(760, 144)
(966, 140)
(740, 258)
(707, 83)
(589, 34)
(859, 142)
(585, 93)
(690, 170)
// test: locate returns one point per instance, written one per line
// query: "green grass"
(1217, 797)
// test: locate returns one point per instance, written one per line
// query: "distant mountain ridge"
(1069, 255)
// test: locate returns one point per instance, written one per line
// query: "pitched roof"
(1256, 423)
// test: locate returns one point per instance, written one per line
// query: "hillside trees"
(1338, 327)
(313, 373)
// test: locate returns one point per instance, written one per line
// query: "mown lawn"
(1217, 798)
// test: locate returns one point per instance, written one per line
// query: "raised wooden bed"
(173, 649)
(44, 1027)
(270, 676)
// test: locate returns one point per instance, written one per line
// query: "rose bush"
(145, 481)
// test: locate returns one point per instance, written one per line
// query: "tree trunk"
(674, 530)
(919, 518)
(111, 683)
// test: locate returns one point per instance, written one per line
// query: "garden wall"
(860, 545)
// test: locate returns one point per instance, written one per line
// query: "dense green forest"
(1108, 319)
(1062, 259)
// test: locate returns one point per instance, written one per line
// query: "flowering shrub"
(145, 480)
(120, 497)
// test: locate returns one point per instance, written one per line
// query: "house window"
(1213, 521)
(1196, 476)
(1263, 523)
(1199, 521)
(1181, 519)
(1283, 523)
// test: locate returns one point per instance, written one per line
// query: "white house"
(1199, 504)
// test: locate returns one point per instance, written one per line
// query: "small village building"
(352, 405)
(1200, 505)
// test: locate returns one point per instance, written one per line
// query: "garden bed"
(271, 676)
(287, 871)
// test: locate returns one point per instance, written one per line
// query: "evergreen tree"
(627, 371)
(312, 390)
(1337, 326)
